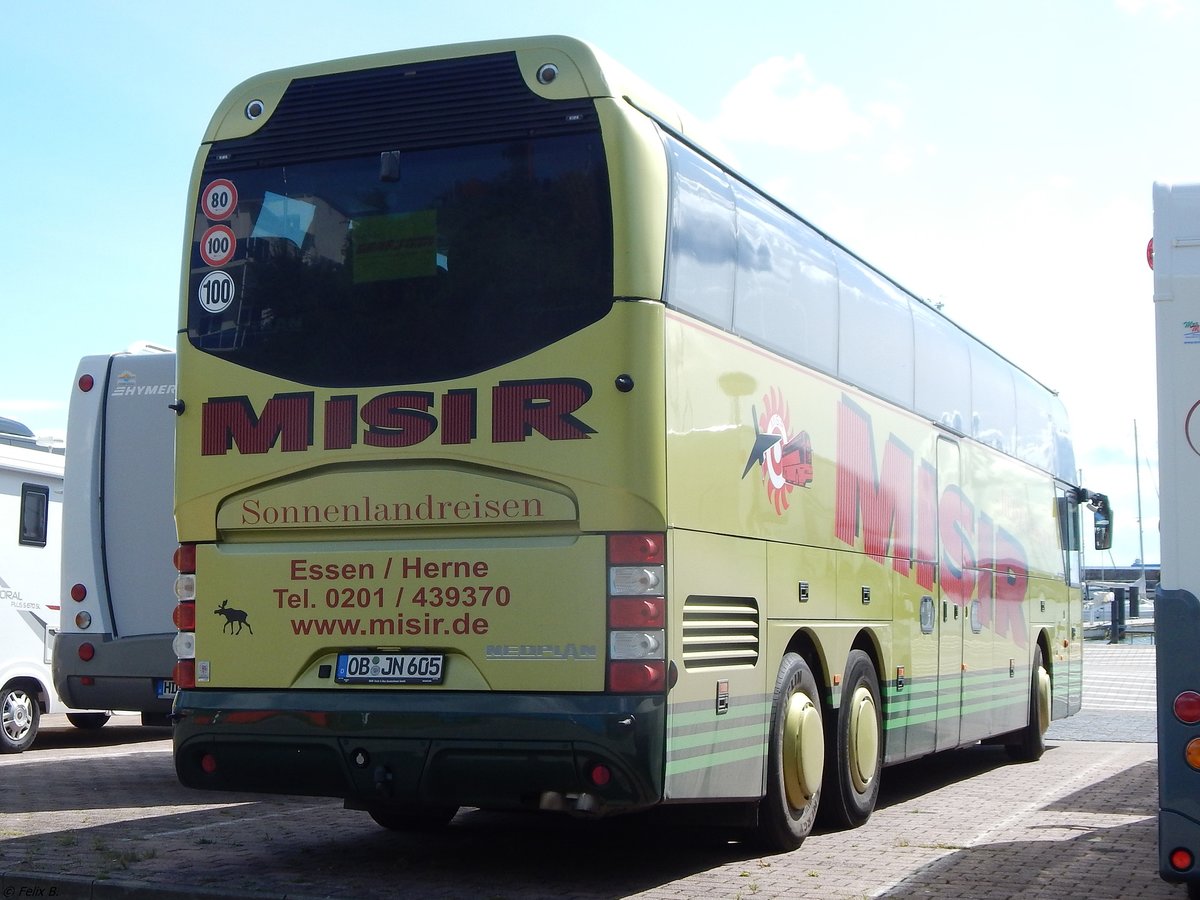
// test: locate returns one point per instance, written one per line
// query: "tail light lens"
(184, 675)
(1192, 753)
(184, 616)
(185, 558)
(1181, 859)
(1187, 707)
(636, 549)
(637, 677)
(637, 612)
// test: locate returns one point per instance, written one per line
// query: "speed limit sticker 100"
(218, 245)
(216, 291)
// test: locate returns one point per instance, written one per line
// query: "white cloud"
(1166, 9)
(897, 159)
(782, 104)
(890, 113)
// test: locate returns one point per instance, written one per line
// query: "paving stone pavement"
(111, 821)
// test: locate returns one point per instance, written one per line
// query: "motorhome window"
(35, 508)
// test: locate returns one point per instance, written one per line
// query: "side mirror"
(1102, 512)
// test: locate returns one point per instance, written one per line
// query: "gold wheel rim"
(803, 750)
(864, 739)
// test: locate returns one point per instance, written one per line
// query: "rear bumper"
(375, 748)
(125, 673)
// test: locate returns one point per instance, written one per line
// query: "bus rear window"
(402, 266)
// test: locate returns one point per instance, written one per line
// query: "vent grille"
(435, 104)
(720, 632)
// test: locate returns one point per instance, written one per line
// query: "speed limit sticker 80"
(219, 199)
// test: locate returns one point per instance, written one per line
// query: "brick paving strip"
(1079, 823)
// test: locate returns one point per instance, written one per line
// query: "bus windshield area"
(402, 267)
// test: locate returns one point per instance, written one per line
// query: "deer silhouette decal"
(232, 617)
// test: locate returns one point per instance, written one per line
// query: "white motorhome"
(31, 493)
(114, 646)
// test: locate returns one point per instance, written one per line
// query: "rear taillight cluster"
(637, 613)
(83, 621)
(1186, 708)
(184, 616)
(79, 591)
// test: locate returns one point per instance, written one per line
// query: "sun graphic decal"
(785, 459)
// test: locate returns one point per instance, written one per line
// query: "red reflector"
(643, 676)
(86, 651)
(184, 616)
(247, 716)
(636, 549)
(1187, 707)
(185, 559)
(600, 775)
(87, 680)
(86, 383)
(637, 612)
(1181, 859)
(208, 763)
(78, 593)
(184, 675)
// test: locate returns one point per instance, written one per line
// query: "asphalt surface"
(100, 815)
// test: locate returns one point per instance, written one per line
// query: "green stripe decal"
(708, 760)
(705, 738)
(754, 710)
(699, 739)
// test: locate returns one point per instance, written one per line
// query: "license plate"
(389, 668)
(165, 689)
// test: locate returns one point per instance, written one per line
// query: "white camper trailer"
(114, 648)
(31, 493)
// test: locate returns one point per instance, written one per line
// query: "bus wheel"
(855, 751)
(88, 721)
(19, 715)
(1030, 741)
(413, 818)
(796, 758)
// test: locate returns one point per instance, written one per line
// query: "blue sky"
(996, 158)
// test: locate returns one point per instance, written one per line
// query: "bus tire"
(88, 721)
(1030, 741)
(795, 762)
(854, 751)
(19, 717)
(413, 818)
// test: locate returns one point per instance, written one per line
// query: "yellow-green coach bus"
(530, 458)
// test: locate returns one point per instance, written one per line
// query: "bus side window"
(786, 296)
(994, 419)
(869, 307)
(1068, 523)
(703, 250)
(35, 509)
